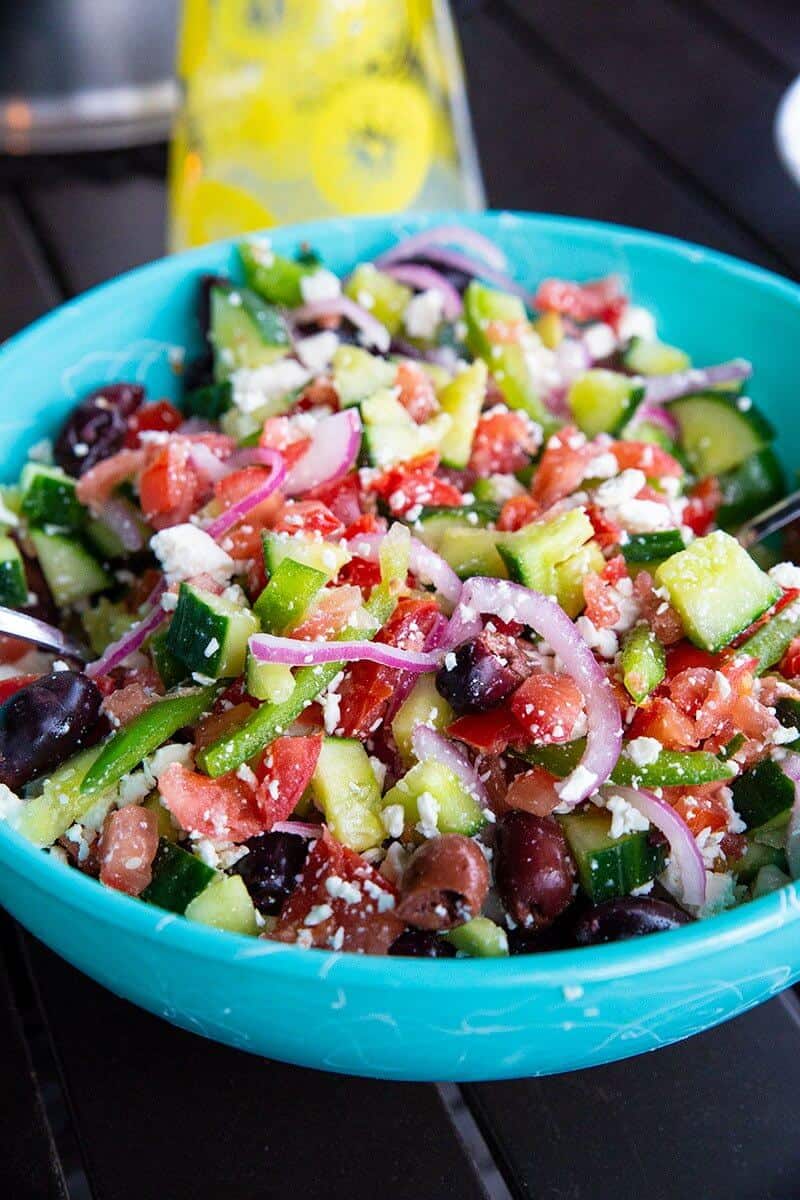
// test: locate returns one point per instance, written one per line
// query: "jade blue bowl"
(407, 1018)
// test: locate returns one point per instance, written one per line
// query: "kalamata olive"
(271, 868)
(627, 917)
(96, 428)
(46, 722)
(482, 674)
(444, 883)
(421, 943)
(533, 868)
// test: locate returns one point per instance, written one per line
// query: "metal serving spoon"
(770, 520)
(20, 625)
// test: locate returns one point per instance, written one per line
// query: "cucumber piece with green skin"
(106, 622)
(749, 488)
(358, 374)
(46, 817)
(432, 523)
(13, 583)
(70, 570)
(327, 558)
(603, 401)
(209, 402)
(787, 711)
(458, 811)
(472, 552)
(646, 548)
(106, 541)
(644, 662)
(382, 296)
(126, 748)
(209, 633)
(716, 589)
(171, 670)
(274, 278)
(178, 877)
(245, 331)
(462, 400)
(49, 497)
(718, 432)
(570, 574)
(762, 793)
(645, 356)
(639, 429)
(506, 361)
(270, 720)
(345, 789)
(533, 553)
(390, 435)
(610, 867)
(286, 599)
(268, 681)
(756, 856)
(224, 904)
(479, 938)
(672, 768)
(769, 643)
(422, 706)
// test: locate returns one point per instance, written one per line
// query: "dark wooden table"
(651, 112)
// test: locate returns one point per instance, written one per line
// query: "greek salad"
(418, 627)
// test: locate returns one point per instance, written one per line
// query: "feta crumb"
(394, 819)
(571, 789)
(624, 817)
(428, 810)
(331, 710)
(254, 387)
(644, 751)
(621, 488)
(636, 322)
(784, 735)
(155, 766)
(315, 352)
(604, 466)
(786, 575)
(322, 284)
(211, 648)
(600, 340)
(10, 805)
(423, 314)
(604, 641)
(317, 914)
(133, 788)
(644, 516)
(450, 661)
(169, 601)
(185, 550)
(342, 889)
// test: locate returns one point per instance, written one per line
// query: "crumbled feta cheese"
(322, 284)
(395, 862)
(133, 788)
(644, 751)
(394, 819)
(624, 817)
(331, 711)
(41, 451)
(206, 851)
(317, 914)
(169, 601)
(571, 789)
(316, 352)
(604, 641)
(604, 466)
(543, 365)
(211, 648)
(621, 488)
(424, 314)
(155, 766)
(783, 735)
(428, 809)
(253, 387)
(10, 805)
(636, 322)
(342, 889)
(600, 340)
(786, 575)
(644, 516)
(450, 661)
(185, 550)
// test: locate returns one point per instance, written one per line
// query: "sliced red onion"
(194, 425)
(426, 279)
(654, 414)
(790, 765)
(684, 853)
(239, 510)
(456, 261)
(120, 517)
(375, 334)
(511, 602)
(448, 235)
(405, 681)
(660, 389)
(130, 641)
(295, 653)
(429, 743)
(425, 563)
(304, 829)
(335, 443)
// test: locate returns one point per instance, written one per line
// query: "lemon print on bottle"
(214, 209)
(372, 144)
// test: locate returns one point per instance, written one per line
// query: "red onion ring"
(305, 829)
(130, 641)
(423, 279)
(425, 563)
(120, 518)
(476, 270)
(335, 443)
(455, 235)
(429, 743)
(294, 653)
(375, 334)
(660, 389)
(510, 601)
(404, 682)
(682, 845)
(654, 414)
(234, 514)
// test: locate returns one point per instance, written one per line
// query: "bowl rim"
(554, 969)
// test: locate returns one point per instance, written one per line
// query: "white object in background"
(787, 130)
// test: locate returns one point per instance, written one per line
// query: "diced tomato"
(684, 655)
(330, 613)
(615, 569)
(96, 486)
(490, 732)
(224, 808)
(533, 791)
(368, 925)
(281, 433)
(407, 485)
(244, 540)
(606, 531)
(365, 523)
(503, 442)
(417, 393)
(562, 466)
(653, 460)
(320, 393)
(518, 512)
(161, 416)
(601, 607)
(128, 846)
(367, 687)
(790, 663)
(361, 573)
(221, 720)
(664, 721)
(9, 687)
(126, 703)
(170, 487)
(284, 774)
(343, 497)
(701, 808)
(659, 613)
(308, 516)
(547, 707)
(700, 513)
(600, 300)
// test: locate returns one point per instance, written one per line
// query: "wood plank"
(161, 1112)
(771, 27)
(699, 103)
(709, 1117)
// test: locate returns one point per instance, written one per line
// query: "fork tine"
(770, 520)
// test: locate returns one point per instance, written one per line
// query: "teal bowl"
(389, 1017)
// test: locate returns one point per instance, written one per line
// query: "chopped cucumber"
(105, 623)
(327, 558)
(483, 308)
(646, 548)
(603, 401)
(178, 877)
(380, 294)
(570, 574)
(432, 523)
(358, 374)
(533, 554)
(756, 856)
(275, 278)
(224, 904)
(645, 356)
(787, 711)
(462, 400)
(62, 801)
(769, 643)
(170, 669)
(422, 706)
(609, 867)
(479, 938)
(719, 432)
(391, 435)
(344, 787)
(49, 497)
(762, 793)
(286, 599)
(70, 570)
(716, 589)
(550, 328)
(209, 633)
(472, 552)
(268, 681)
(209, 402)
(644, 662)
(747, 489)
(672, 768)
(108, 543)
(431, 781)
(245, 330)
(13, 583)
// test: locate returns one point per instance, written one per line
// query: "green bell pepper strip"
(288, 596)
(274, 278)
(126, 748)
(644, 662)
(271, 719)
(672, 768)
(769, 643)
